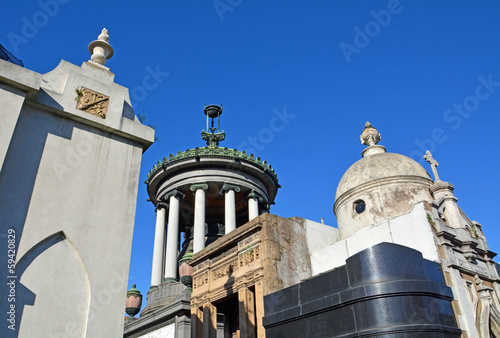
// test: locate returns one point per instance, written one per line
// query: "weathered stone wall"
(68, 189)
(285, 255)
(265, 255)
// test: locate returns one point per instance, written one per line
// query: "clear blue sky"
(410, 68)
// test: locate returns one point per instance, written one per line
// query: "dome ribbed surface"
(379, 166)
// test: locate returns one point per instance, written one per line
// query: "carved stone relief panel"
(92, 102)
(200, 280)
(248, 256)
(225, 270)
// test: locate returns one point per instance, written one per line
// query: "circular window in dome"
(359, 206)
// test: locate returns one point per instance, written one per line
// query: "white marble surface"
(412, 230)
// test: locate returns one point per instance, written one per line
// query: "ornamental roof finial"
(100, 49)
(213, 135)
(370, 136)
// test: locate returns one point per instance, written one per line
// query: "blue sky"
(425, 73)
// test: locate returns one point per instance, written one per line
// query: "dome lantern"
(213, 135)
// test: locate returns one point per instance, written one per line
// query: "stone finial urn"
(134, 301)
(100, 49)
(186, 270)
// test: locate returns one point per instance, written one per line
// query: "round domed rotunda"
(378, 187)
(205, 193)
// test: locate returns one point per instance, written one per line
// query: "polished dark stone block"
(329, 282)
(282, 300)
(385, 262)
(434, 272)
(321, 303)
(338, 322)
(387, 290)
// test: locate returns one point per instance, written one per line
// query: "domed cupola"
(378, 187)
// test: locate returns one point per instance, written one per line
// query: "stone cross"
(434, 164)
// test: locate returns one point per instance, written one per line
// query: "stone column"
(210, 321)
(159, 243)
(259, 309)
(199, 216)
(229, 191)
(253, 204)
(246, 309)
(196, 322)
(172, 234)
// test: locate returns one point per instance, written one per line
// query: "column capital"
(256, 196)
(197, 186)
(175, 193)
(228, 186)
(160, 205)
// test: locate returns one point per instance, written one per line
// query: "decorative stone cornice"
(440, 187)
(197, 186)
(175, 193)
(216, 152)
(229, 186)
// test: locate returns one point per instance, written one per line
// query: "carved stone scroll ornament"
(495, 321)
(92, 102)
(488, 314)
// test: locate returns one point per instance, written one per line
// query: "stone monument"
(70, 155)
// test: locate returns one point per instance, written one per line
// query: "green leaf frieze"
(214, 152)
